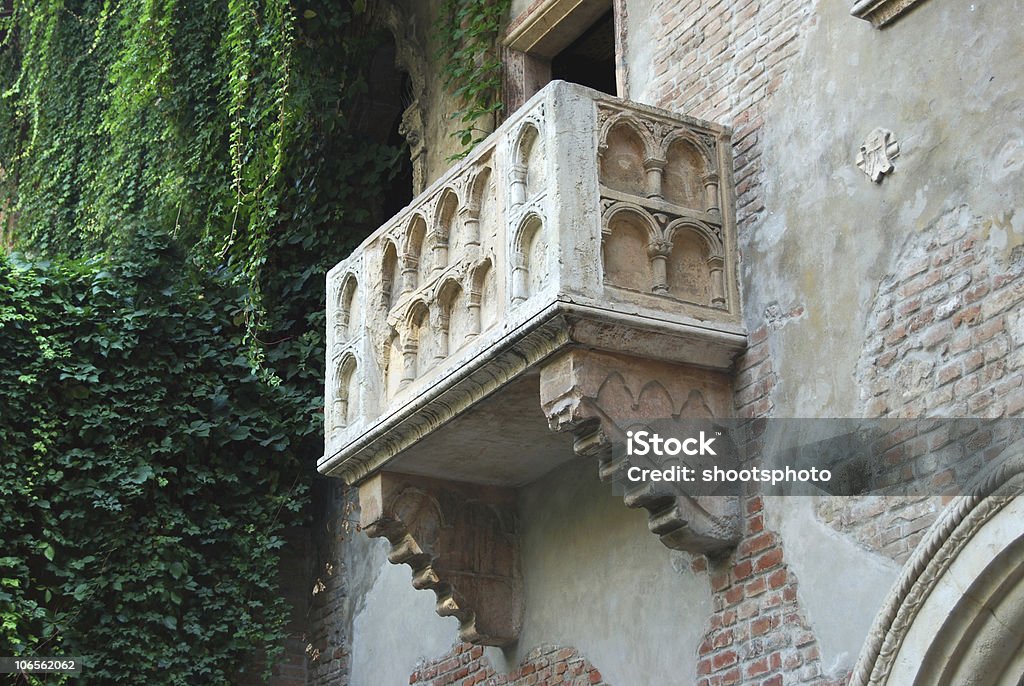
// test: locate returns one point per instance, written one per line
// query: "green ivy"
(148, 473)
(228, 123)
(179, 177)
(468, 32)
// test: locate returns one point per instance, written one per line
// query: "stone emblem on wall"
(876, 154)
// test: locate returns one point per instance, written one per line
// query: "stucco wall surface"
(817, 236)
(594, 578)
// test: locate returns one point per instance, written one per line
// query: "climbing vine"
(468, 32)
(178, 177)
(149, 471)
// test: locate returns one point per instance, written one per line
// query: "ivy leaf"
(141, 474)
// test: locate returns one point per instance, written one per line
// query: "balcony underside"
(485, 421)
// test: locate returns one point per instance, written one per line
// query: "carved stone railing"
(575, 272)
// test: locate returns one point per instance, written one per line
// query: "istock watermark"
(809, 456)
(649, 443)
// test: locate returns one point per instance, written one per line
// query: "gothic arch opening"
(625, 258)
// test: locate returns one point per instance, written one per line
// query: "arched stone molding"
(628, 157)
(393, 365)
(345, 402)
(417, 352)
(527, 168)
(956, 614)
(441, 236)
(390, 275)
(477, 189)
(687, 164)
(415, 265)
(483, 298)
(633, 254)
(696, 278)
(708, 234)
(528, 257)
(654, 232)
(451, 318)
(650, 146)
(347, 320)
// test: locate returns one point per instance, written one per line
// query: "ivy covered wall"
(176, 179)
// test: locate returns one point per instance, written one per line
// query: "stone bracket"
(460, 542)
(597, 395)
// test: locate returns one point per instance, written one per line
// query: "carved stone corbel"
(595, 395)
(460, 542)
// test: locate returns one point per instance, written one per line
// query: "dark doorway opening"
(590, 59)
(389, 93)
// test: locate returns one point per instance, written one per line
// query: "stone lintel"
(881, 12)
(460, 541)
(551, 25)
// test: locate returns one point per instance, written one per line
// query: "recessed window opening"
(380, 120)
(590, 59)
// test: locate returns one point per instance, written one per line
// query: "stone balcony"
(574, 274)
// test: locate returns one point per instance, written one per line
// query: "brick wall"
(722, 61)
(947, 329)
(892, 526)
(327, 640)
(757, 632)
(467, 665)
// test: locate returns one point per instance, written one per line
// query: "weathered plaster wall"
(840, 579)
(803, 84)
(829, 234)
(394, 627)
(642, 22)
(595, 579)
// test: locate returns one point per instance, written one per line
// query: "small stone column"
(711, 193)
(654, 168)
(439, 246)
(717, 268)
(410, 265)
(658, 252)
(520, 288)
(475, 299)
(517, 187)
(409, 352)
(339, 417)
(441, 321)
(470, 218)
